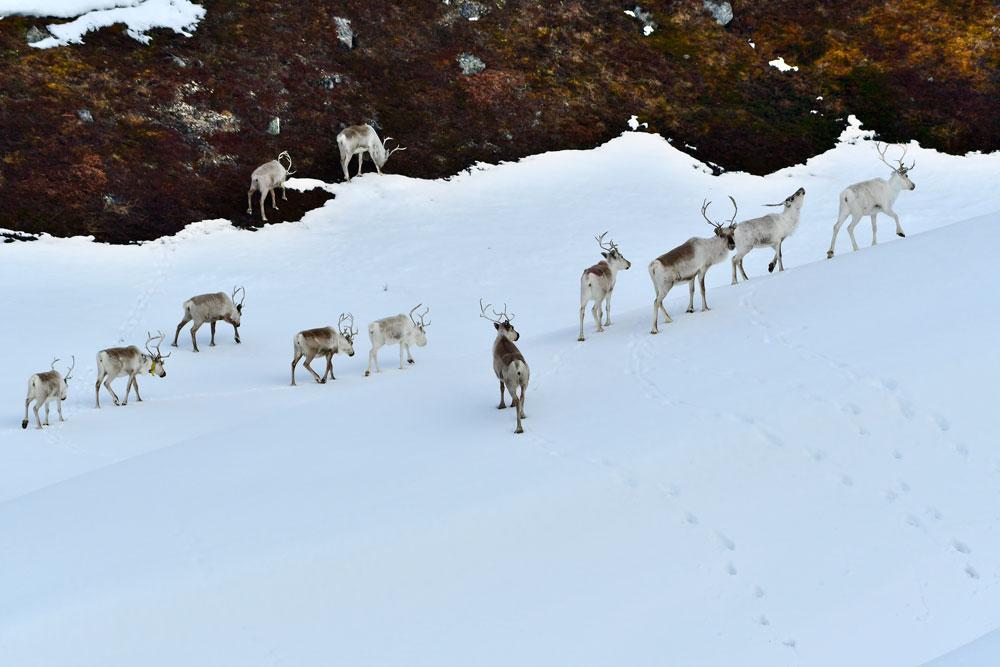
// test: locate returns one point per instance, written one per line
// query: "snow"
(780, 64)
(805, 474)
(139, 17)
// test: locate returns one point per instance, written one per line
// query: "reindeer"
(598, 282)
(508, 363)
(325, 341)
(211, 308)
(361, 139)
(691, 259)
(768, 231)
(397, 329)
(267, 178)
(873, 197)
(115, 362)
(45, 387)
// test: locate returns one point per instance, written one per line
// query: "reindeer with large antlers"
(211, 308)
(873, 197)
(115, 362)
(325, 341)
(400, 329)
(361, 139)
(266, 179)
(598, 282)
(688, 261)
(44, 387)
(509, 364)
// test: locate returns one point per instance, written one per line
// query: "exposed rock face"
(172, 144)
(35, 34)
(470, 64)
(721, 11)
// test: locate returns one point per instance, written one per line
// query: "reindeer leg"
(107, 385)
(735, 260)
(899, 228)
(187, 318)
(874, 230)
(274, 198)
(372, 357)
(361, 159)
(583, 310)
(841, 216)
(774, 260)
(250, 199)
(310, 357)
(194, 335)
(517, 408)
(263, 202)
(745, 277)
(236, 333)
(284, 195)
(38, 422)
(701, 284)
(607, 310)
(344, 164)
(128, 388)
(409, 355)
(520, 401)
(135, 383)
(329, 365)
(855, 219)
(59, 409)
(27, 401)
(46, 413)
(502, 404)
(97, 390)
(401, 355)
(595, 310)
(691, 296)
(211, 326)
(295, 361)
(781, 256)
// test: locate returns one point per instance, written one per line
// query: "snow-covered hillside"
(139, 17)
(805, 474)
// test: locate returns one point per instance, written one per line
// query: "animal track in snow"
(961, 547)
(691, 518)
(726, 542)
(758, 592)
(763, 620)
(731, 569)
(846, 480)
(971, 572)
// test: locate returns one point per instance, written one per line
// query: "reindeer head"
(795, 199)
(723, 230)
(238, 312)
(612, 254)
(155, 357)
(288, 170)
(501, 321)
(347, 332)
(420, 326)
(899, 170)
(386, 153)
(64, 379)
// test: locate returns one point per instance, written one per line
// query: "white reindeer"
(267, 178)
(688, 261)
(211, 308)
(325, 341)
(509, 364)
(768, 231)
(871, 198)
(45, 387)
(115, 362)
(397, 329)
(598, 282)
(361, 139)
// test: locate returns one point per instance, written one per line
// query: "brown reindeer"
(508, 363)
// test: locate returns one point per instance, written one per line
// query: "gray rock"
(274, 127)
(330, 81)
(473, 11)
(470, 64)
(177, 60)
(721, 11)
(344, 32)
(85, 115)
(36, 34)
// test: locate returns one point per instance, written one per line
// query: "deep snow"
(805, 474)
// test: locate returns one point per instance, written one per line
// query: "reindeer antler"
(237, 290)
(704, 208)
(609, 247)
(53, 366)
(499, 316)
(69, 372)
(397, 148)
(159, 339)
(349, 332)
(421, 316)
(736, 210)
(284, 154)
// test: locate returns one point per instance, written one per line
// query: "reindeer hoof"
(581, 339)
(24, 424)
(173, 345)
(323, 381)
(829, 254)
(519, 430)
(211, 344)
(770, 267)
(367, 373)
(501, 407)
(901, 235)
(238, 341)
(690, 310)
(654, 332)
(249, 211)
(410, 361)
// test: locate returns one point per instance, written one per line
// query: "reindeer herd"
(688, 262)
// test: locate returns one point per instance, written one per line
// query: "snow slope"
(139, 17)
(802, 475)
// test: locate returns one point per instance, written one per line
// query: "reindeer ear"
(496, 325)
(605, 255)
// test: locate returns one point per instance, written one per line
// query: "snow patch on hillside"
(139, 17)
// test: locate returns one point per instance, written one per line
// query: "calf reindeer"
(397, 329)
(115, 362)
(871, 198)
(45, 387)
(211, 308)
(509, 364)
(691, 259)
(769, 230)
(325, 341)
(266, 179)
(361, 139)
(598, 282)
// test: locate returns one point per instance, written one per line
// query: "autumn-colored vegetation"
(179, 125)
